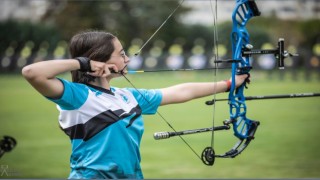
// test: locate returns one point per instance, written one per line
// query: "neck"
(101, 82)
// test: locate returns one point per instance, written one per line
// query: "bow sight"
(279, 52)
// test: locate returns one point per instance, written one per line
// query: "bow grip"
(243, 70)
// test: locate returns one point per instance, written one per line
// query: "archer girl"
(105, 123)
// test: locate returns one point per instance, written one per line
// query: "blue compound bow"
(243, 127)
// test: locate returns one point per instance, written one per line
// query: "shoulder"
(143, 92)
(74, 95)
(73, 84)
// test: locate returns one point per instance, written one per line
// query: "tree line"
(132, 19)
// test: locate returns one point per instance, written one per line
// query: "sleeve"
(73, 97)
(148, 100)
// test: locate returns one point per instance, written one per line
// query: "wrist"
(84, 64)
(228, 82)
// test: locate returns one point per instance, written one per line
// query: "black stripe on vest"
(100, 122)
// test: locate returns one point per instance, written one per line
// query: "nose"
(126, 59)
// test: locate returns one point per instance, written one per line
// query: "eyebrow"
(121, 50)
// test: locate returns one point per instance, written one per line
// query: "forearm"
(198, 90)
(42, 75)
(49, 69)
(188, 91)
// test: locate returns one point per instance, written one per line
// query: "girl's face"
(119, 57)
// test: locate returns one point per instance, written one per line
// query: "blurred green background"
(286, 143)
(32, 31)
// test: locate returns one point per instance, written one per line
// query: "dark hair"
(95, 45)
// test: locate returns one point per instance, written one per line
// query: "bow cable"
(216, 56)
(162, 117)
(208, 154)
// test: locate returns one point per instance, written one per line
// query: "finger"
(100, 73)
(92, 74)
(96, 72)
(112, 68)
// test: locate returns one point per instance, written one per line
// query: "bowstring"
(214, 11)
(164, 22)
(162, 117)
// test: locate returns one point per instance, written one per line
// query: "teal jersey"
(105, 128)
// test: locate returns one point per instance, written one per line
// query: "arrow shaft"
(168, 70)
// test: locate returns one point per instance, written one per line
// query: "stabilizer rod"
(166, 135)
(278, 96)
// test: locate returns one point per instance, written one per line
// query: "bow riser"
(240, 38)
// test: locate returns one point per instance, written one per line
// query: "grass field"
(286, 145)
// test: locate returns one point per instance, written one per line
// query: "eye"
(123, 54)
